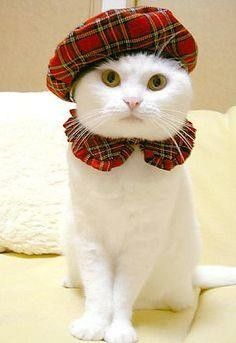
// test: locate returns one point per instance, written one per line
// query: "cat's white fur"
(132, 237)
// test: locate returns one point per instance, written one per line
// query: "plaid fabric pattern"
(118, 31)
(104, 153)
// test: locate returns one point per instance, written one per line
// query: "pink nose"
(132, 102)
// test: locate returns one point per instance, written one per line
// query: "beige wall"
(30, 30)
(29, 33)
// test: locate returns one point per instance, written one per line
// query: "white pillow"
(33, 173)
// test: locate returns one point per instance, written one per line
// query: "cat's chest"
(135, 182)
(125, 203)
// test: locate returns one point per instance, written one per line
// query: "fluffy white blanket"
(33, 174)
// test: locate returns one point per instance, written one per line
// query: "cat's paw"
(120, 332)
(68, 283)
(89, 328)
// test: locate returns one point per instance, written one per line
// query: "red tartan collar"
(104, 153)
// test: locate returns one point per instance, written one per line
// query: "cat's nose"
(132, 101)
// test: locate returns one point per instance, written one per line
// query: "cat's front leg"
(68, 234)
(70, 250)
(97, 281)
(133, 268)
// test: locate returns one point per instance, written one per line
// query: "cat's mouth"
(131, 118)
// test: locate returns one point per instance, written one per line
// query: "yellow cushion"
(213, 167)
(35, 308)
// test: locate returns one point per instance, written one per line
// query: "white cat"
(132, 237)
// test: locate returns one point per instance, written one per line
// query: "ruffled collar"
(105, 153)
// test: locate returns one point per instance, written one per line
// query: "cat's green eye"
(157, 82)
(111, 78)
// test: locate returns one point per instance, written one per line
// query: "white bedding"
(33, 173)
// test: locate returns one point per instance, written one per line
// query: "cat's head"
(140, 96)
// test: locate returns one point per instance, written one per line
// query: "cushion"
(33, 171)
(212, 166)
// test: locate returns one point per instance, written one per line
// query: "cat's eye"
(111, 78)
(157, 82)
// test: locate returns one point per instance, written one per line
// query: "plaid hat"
(113, 33)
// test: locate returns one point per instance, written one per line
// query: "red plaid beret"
(114, 32)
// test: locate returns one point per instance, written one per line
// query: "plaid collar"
(104, 153)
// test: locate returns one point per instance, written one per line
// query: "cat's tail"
(211, 276)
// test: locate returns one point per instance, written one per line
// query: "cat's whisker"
(85, 133)
(172, 110)
(71, 127)
(76, 132)
(86, 136)
(170, 136)
(176, 122)
(176, 119)
(158, 124)
(172, 118)
(79, 124)
(93, 113)
(184, 139)
(160, 111)
(80, 134)
(83, 128)
(181, 129)
(98, 116)
(75, 120)
(177, 132)
(166, 109)
(76, 128)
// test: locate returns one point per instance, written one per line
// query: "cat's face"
(137, 96)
